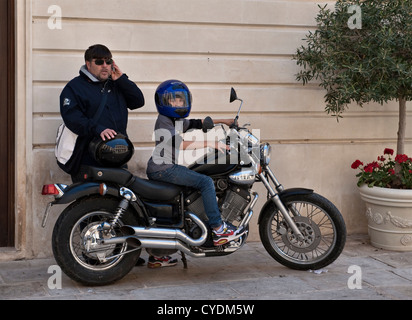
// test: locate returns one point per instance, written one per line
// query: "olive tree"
(361, 52)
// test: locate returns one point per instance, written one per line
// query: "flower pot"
(389, 213)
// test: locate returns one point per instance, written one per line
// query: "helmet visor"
(176, 99)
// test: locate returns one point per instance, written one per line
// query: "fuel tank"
(215, 163)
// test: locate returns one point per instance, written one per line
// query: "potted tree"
(362, 52)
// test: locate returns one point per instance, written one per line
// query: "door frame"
(7, 106)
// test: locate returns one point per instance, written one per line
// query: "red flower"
(376, 165)
(356, 164)
(388, 151)
(385, 172)
(371, 166)
(401, 158)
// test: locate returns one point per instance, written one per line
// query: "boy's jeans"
(183, 176)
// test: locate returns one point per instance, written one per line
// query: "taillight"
(49, 189)
(53, 189)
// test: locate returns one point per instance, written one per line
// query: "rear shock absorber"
(128, 196)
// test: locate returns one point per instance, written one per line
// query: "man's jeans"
(183, 176)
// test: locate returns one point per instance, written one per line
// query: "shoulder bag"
(66, 140)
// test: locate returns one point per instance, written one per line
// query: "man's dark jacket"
(80, 100)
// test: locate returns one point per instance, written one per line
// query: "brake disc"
(311, 235)
(92, 238)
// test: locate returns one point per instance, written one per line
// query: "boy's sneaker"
(228, 233)
(159, 262)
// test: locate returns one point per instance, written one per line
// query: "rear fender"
(80, 190)
(283, 196)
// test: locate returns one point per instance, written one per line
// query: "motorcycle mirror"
(233, 95)
(207, 124)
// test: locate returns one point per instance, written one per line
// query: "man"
(82, 96)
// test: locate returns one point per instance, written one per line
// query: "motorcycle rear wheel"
(318, 220)
(76, 237)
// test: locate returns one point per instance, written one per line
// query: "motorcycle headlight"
(265, 151)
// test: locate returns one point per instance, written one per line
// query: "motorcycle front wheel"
(77, 242)
(320, 223)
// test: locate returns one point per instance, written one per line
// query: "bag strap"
(101, 107)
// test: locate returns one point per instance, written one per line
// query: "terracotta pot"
(389, 213)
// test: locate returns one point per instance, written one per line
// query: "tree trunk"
(402, 127)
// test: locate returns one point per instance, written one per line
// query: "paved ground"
(361, 272)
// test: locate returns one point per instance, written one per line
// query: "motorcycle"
(113, 215)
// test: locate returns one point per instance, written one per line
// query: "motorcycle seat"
(155, 190)
(116, 175)
(148, 189)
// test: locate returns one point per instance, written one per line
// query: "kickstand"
(184, 260)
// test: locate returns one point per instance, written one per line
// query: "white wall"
(211, 46)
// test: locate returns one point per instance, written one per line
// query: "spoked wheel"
(319, 221)
(78, 242)
(85, 242)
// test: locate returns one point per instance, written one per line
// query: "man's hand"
(116, 72)
(108, 134)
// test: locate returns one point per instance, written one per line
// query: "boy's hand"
(222, 147)
(227, 122)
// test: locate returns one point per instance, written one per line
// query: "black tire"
(78, 222)
(319, 221)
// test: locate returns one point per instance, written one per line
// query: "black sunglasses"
(100, 62)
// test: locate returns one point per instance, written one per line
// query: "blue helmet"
(173, 99)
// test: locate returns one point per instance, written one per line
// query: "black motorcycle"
(113, 215)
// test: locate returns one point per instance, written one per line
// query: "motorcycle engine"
(232, 201)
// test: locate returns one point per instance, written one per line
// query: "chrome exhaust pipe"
(166, 233)
(116, 240)
(134, 242)
(248, 216)
(162, 244)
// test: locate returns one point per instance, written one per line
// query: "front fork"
(274, 196)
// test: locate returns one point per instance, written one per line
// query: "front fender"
(79, 190)
(283, 195)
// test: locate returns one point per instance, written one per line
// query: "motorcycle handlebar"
(235, 124)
